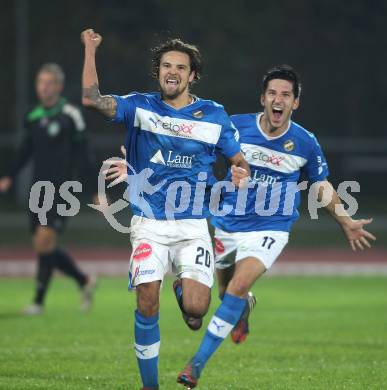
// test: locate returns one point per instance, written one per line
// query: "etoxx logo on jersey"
(261, 156)
(265, 158)
(178, 128)
(173, 160)
(197, 130)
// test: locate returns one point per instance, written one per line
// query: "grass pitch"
(306, 333)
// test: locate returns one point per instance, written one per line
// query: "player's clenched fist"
(90, 38)
(239, 176)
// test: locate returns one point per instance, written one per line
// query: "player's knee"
(196, 298)
(195, 311)
(147, 300)
(196, 307)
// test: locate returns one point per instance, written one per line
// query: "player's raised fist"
(90, 38)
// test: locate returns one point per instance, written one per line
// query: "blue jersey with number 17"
(178, 147)
(276, 164)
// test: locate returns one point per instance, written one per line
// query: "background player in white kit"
(175, 134)
(278, 151)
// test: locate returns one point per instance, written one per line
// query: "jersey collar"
(195, 99)
(268, 137)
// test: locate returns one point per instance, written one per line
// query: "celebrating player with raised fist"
(174, 135)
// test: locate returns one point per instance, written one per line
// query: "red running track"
(289, 255)
(114, 262)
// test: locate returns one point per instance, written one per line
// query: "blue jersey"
(276, 164)
(171, 152)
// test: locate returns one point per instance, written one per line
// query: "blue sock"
(243, 311)
(147, 345)
(179, 293)
(220, 326)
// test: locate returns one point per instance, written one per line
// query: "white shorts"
(266, 246)
(185, 244)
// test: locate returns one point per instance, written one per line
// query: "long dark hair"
(176, 44)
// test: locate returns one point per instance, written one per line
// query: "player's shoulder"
(210, 103)
(142, 99)
(213, 112)
(143, 95)
(211, 106)
(302, 134)
(243, 120)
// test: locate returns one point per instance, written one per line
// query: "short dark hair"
(283, 72)
(176, 44)
(55, 69)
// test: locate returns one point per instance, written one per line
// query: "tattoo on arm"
(106, 104)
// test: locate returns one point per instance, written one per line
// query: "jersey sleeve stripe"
(75, 114)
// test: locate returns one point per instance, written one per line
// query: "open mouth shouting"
(277, 114)
(171, 82)
(171, 86)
